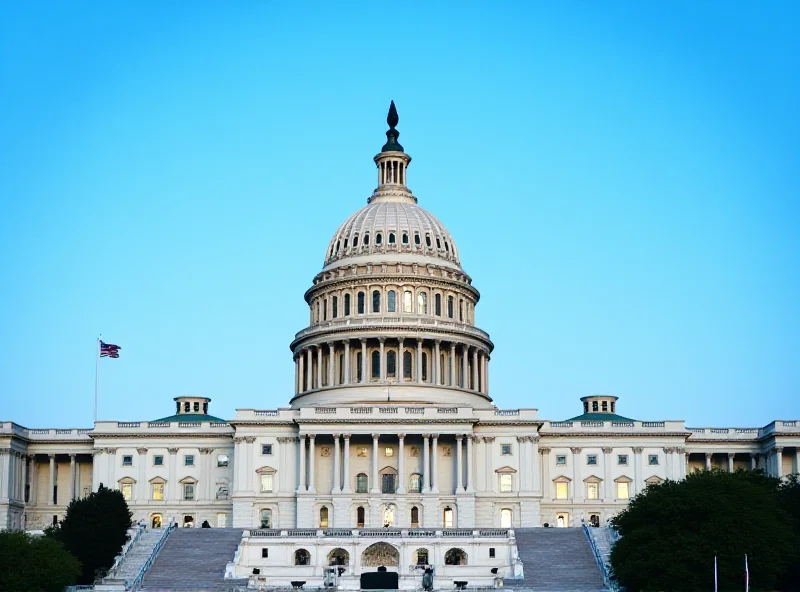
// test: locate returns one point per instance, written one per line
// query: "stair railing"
(134, 584)
(125, 550)
(608, 578)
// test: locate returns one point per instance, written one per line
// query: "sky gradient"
(621, 180)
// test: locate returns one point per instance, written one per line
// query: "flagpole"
(96, 375)
(715, 573)
(746, 575)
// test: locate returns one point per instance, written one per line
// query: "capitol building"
(391, 432)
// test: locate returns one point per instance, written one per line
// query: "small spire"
(392, 134)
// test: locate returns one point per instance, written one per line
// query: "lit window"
(591, 459)
(391, 301)
(188, 491)
(447, 516)
(188, 460)
(562, 490)
(158, 460)
(389, 451)
(623, 490)
(127, 461)
(415, 483)
(266, 483)
(408, 301)
(362, 483)
(222, 460)
(362, 451)
(622, 459)
(592, 491)
(561, 459)
(323, 521)
(652, 459)
(505, 519)
(158, 491)
(266, 449)
(506, 482)
(505, 449)
(422, 303)
(127, 491)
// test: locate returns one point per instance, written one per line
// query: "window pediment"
(592, 479)
(654, 479)
(506, 469)
(562, 479)
(186, 480)
(388, 471)
(623, 479)
(157, 480)
(126, 480)
(265, 470)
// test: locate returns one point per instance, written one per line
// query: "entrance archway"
(338, 557)
(156, 520)
(380, 554)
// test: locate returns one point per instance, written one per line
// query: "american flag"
(109, 349)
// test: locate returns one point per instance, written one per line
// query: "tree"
(94, 530)
(35, 564)
(673, 530)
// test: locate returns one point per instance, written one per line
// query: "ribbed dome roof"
(387, 227)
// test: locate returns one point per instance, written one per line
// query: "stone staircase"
(556, 560)
(195, 559)
(604, 540)
(138, 554)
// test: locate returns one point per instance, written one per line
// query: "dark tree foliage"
(94, 530)
(35, 564)
(789, 498)
(672, 531)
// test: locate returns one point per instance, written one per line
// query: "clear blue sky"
(621, 180)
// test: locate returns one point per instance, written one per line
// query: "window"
(378, 239)
(422, 303)
(388, 515)
(376, 301)
(415, 483)
(391, 301)
(407, 364)
(407, 301)
(405, 238)
(222, 460)
(561, 459)
(391, 238)
(605, 405)
(366, 239)
(622, 459)
(362, 451)
(421, 554)
(335, 304)
(505, 518)
(562, 490)
(158, 491)
(359, 363)
(360, 513)
(491, 553)
(652, 459)
(612, 406)
(264, 552)
(127, 491)
(424, 366)
(188, 491)
(506, 482)
(450, 307)
(186, 407)
(303, 557)
(362, 483)
(428, 240)
(266, 449)
(355, 241)
(623, 490)
(266, 483)
(447, 517)
(266, 518)
(416, 239)
(323, 519)
(188, 460)
(222, 520)
(415, 516)
(388, 483)
(376, 364)
(592, 491)
(505, 449)
(594, 406)
(127, 461)
(391, 364)
(389, 451)
(461, 310)
(188, 521)
(455, 557)
(437, 305)
(591, 459)
(360, 303)
(347, 305)
(158, 460)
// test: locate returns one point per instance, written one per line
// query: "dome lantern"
(392, 163)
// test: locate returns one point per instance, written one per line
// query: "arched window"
(360, 513)
(414, 485)
(437, 305)
(450, 307)
(338, 557)
(376, 301)
(362, 483)
(361, 303)
(416, 239)
(447, 517)
(266, 518)
(428, 240)
(335, 305)
(408, 301)
(323, 517)
(355, 241)
(407, 365)
(378, 239)
(424, 366)
(376, 364)
(347, 305)
(366, 239)
(461, 310)
(405, 238)
(341, 368)
(415, 517)
(391, 301)
(455, 557)
(505, 518)
(359, 367)
(391, 238)
(345, 243)
(446, 246)
(391, 364)
(438, 243)
(337, 245)
(422, 303)
(301, 556)
(420, 555)
(324, 309)
(445, 370)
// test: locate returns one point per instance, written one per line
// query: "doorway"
(156, 520)
(562, 519)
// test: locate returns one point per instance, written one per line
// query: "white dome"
(393, 227)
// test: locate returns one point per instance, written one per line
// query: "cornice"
(261, 422)
(414, 421)
(605, 435)
(161, 435)
(381, 277)
(325, 334)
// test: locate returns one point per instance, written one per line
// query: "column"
(475, 386)
(464, 366)
(426, 465)
(522, 480)
(753, 461)
(309, 369)
(708, 461)
(24, 480)
(491, 482)
(382, 345)
(608, 482)
(778, 461)
(682, 458)
(730, 462)
(319, 366)
(547, 488)
(434, 464)
(437, 365)
(337, 451)
(401, 368)
(401, 464)
(346, 361)
(534, 450)
(668, 470)
(301, 381)
(5, 460)
(577, 484)
(419, 360)
(311, 460)
(301, 481)
(364, 361)
(459, 468)
(346, 480)
(375, 487)
(452, 381)
(52, 482)
(296, 375)
(486, 374)
(331, 364)
(637, 470)
(171, 493)
(470, 460)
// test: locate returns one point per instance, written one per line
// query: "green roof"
(195, 417)
(599, 417)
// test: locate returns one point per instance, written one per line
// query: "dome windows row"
(344, 246)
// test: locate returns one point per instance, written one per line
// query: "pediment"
(506, 469)
(562, 479)
(188, 480)
(265, 470)
(654, 479)
(157, 480)
(592, 479)
(623, 479)
(126, 480)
